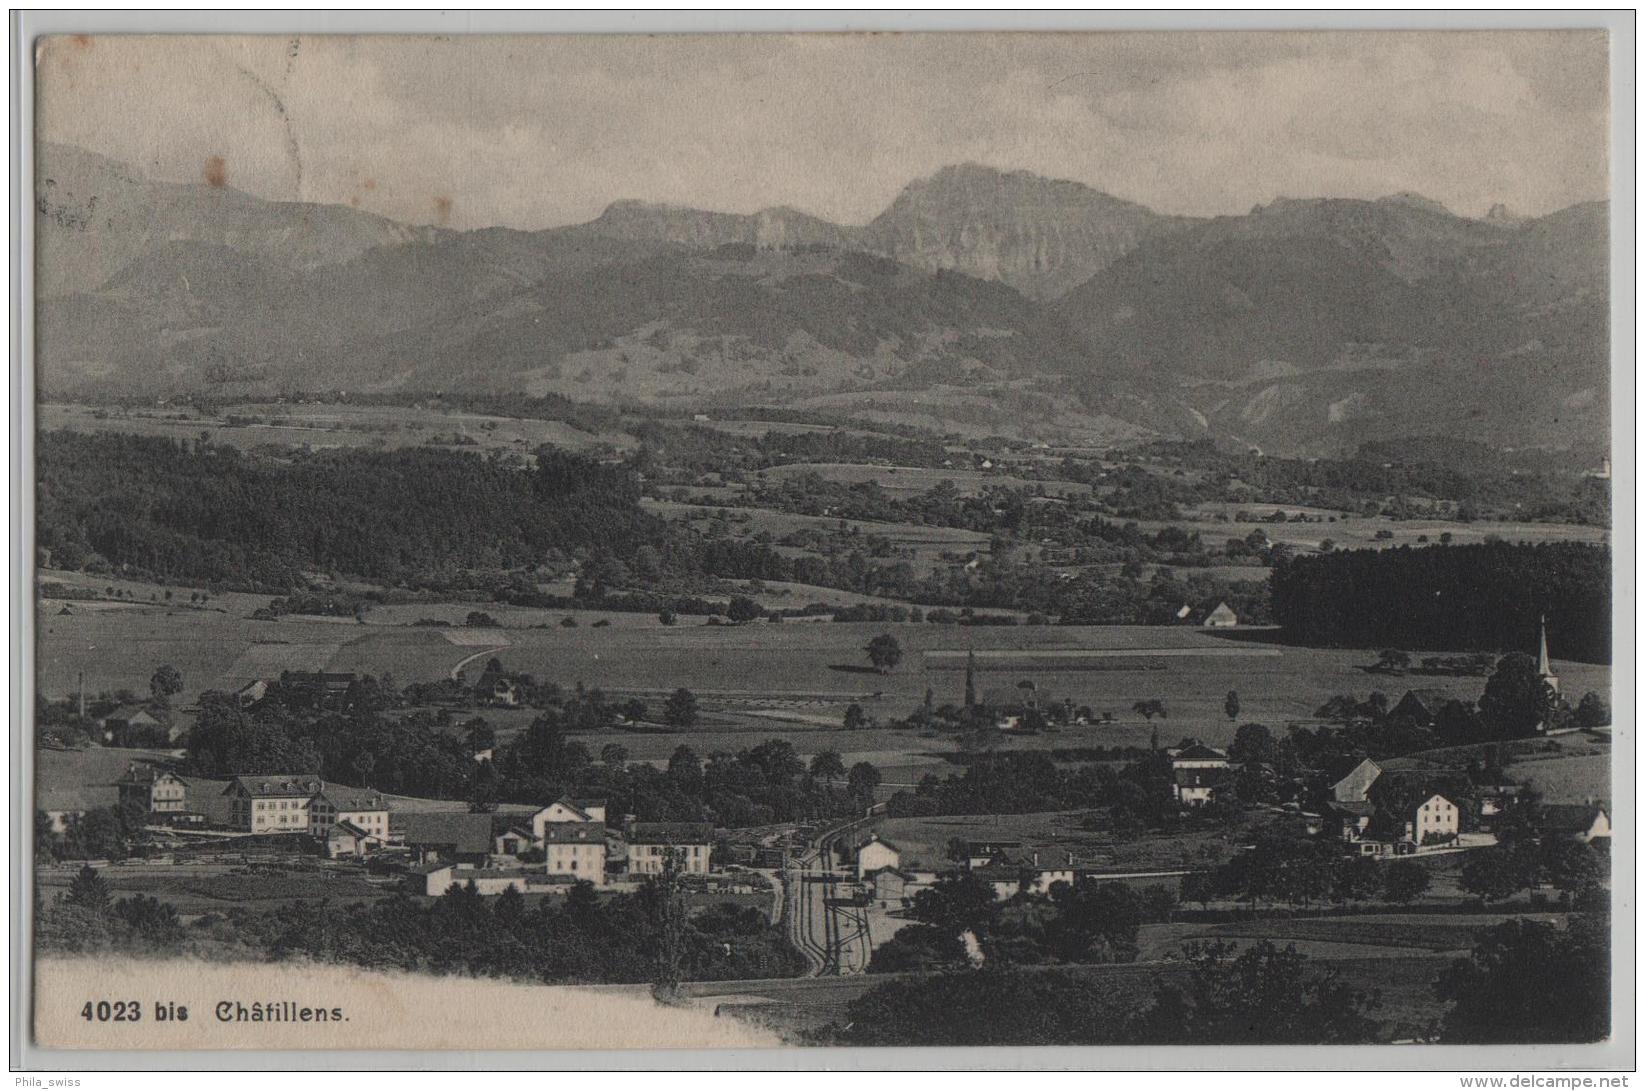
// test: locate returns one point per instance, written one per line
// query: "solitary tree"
(1516, 700)
(88, 890)
(1230, 705)
(167, 680)
(614, 754)
(861, 782)
(884, 652)
(826, 766)
(1593, 711)
(854, 717)
(681, 708)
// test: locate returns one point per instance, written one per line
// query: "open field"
(1360, 532)
(811, 669)
(912, 480)
(214, 888)
(1568, 779)
(320, 426)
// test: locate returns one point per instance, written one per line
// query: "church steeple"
(1544, 669)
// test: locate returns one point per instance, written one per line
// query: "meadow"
(319, 426)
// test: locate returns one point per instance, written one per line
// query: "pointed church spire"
(970, 679)
(1544, 668)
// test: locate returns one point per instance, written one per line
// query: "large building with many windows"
(272, 803)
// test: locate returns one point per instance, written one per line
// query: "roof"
(354, 799)
(1568, 816)
(1343, 771)
(278, 785)
(468, 833)
(127, 713)
(1357, 809)
(670, 833)
(1222, 609)
(898, 872)
(561, 833)
(1429, 697)
(570, 804)
(1200, 752)
(349, 828)
(878, 841)
(144, 773)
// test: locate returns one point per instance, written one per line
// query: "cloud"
(535, 131)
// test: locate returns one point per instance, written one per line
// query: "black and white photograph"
(733, 541)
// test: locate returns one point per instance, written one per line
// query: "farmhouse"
(874, 854)
(1223, 617)
(251, 693)
(1422, 706)
(344, 839)
(1434, 819)
(1585, 822)
(154, 790)
(650, 844)
(1355, 785)
(448, 837)
(510, 836)
(133, 725)
(1011, 874)
(576, 850)
(275, 803)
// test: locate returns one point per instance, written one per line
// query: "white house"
(1435, 816)
(650, 844)
(576, 850)
(875, 854)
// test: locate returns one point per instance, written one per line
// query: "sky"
(533, 132)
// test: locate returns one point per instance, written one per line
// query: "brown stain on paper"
(442, 210)
(216, 172)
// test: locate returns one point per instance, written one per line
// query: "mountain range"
(979, 299)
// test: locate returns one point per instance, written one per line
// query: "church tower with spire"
(1544, 669)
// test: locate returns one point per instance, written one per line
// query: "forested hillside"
(1454, 597)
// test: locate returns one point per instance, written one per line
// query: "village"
(841, 888)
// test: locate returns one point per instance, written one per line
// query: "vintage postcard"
(561, 542)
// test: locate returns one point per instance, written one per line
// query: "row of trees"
(636, 938)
